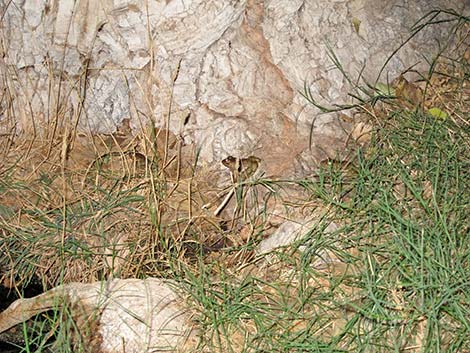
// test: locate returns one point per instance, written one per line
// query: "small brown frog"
(241, 168)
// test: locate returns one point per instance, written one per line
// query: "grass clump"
(406, 216)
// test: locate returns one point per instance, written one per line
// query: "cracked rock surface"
(238, 67)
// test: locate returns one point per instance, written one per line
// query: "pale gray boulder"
(238, 67)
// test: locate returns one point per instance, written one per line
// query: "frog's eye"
(228, 162)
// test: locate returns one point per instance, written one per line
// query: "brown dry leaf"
(362, 133)
(408, 93)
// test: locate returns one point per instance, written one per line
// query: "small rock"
(288, 233)
(119, 315)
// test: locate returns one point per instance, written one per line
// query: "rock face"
(128, 316)
(236, 66)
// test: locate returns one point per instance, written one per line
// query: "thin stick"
(225, 201)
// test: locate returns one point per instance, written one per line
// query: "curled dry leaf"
(407, 92)
(362, 133)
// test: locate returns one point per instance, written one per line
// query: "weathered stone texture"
(119, 315)
(237, 65)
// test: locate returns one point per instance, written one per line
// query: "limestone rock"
(238, 66)
(290, 232)
(120, 315)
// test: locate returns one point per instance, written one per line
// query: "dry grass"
(100, 206)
